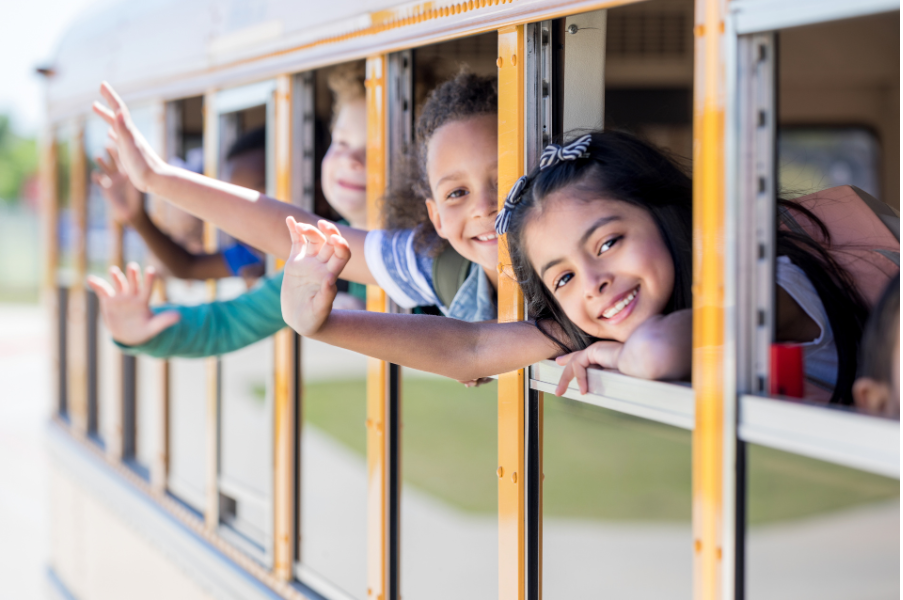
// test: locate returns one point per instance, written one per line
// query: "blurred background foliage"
(18, 163)
(20, 246)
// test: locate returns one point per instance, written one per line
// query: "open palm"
(125, 306)
(308, 286)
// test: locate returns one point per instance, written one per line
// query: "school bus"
(290, 470)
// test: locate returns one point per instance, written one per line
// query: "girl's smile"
(604, 261)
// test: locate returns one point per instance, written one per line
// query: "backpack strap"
(888, 215)
(450, 269)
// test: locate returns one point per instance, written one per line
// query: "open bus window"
(245, 475)
(830, 77)
(187, 452)
(332, 448)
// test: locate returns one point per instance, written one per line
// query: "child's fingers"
(163, 320)
(293, 231)
(341, 254)
(100, 179)
(133, 273)
(328, 228)
(566, 377)
(119, 279)
(150, 274)
(100, 287)
(112, 135)
(107, 168)
(112, 98)
(103, 112)
(114, 157)
(565, 358)
(315, 239)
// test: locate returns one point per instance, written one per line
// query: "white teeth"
(487, 238)
(620, 305)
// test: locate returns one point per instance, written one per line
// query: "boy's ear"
(871, 396)
(433, 210)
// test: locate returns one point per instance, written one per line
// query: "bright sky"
(29, 32)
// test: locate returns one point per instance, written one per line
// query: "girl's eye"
(456, 194)
(562, 281)
(608, 245)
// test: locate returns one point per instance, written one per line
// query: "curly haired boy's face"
(462, 167)
(344, 168)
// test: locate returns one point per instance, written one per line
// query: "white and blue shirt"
(407, 277)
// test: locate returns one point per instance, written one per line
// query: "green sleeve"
(218, 327)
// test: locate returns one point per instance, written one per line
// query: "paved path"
(24, 406)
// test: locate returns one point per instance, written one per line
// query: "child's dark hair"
(256, 139)
(882, 329)
(622, 167)
(404, 205)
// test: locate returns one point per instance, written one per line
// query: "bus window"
(64, 261)
(831, 79)
(332, 461)
(816, 158)
(447, 442)
(245, 376)
(616, 504)
(819, 530)
(104, 386)
(187, 393)
(649, 72)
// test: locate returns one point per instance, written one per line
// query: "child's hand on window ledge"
(660, 348)
(126, 309)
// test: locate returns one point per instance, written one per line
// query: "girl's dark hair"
(620, 167)
(623, 167)
(404, 205)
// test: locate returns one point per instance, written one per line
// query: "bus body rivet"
(514, 477)
(698, 545)
(498, 63)
(514, 60)
(500, 471)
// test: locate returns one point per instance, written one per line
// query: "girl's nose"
(596, 284)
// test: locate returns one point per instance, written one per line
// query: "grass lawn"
(598, 464)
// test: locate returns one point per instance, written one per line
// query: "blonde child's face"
(344, 168)
(604, 261)
(462, 168)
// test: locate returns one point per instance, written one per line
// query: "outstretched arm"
(127, 208)
(456, 349)
(243, 213)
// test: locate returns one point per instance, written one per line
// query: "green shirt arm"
(218, 327)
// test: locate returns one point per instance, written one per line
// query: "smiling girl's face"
(604, 261)
(462, 168)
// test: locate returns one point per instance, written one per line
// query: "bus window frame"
(226, 104)
(828, 433)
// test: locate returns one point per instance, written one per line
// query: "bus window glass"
(187, 408)
(819, 530)
(649, 72)
(449, 491)
(816, 158)
(187, 478)
(246, 403)
(332, 507)
(831, 77)
(333, 464)
(447, 432)
(616, 504)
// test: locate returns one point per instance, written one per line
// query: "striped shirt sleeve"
(405, 275)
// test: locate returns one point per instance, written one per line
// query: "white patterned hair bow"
(551, 156)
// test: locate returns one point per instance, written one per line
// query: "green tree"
(18, 161)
